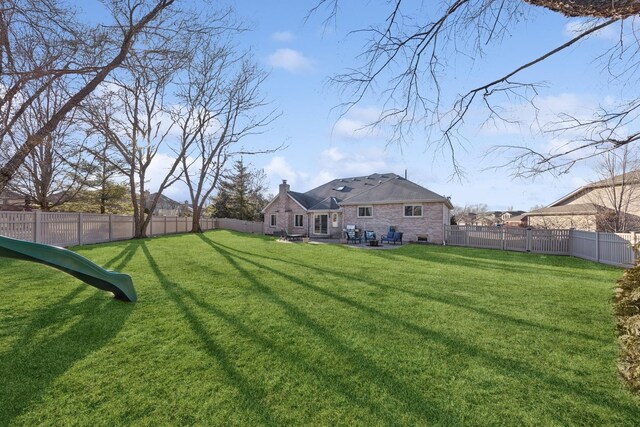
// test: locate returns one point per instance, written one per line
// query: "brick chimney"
(284, 188)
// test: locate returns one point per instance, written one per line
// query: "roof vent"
(340, 188)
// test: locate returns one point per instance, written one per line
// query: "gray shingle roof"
(397, 190)
(374, 188)
(343, 188)
(330, 203)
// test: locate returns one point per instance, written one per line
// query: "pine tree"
(241, 193)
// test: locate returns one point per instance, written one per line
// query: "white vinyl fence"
(607, 248)
(239, 225)
(70, 229)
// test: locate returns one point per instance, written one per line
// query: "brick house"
(592, 206)
(375, 202)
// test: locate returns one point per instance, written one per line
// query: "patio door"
(320, 224)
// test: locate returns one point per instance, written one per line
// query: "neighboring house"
(168, 207)
(486, 218)
(591, 207)
(375, 202)
(517, 220)
(10, 201)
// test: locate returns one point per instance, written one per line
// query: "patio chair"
(353, 237)
(392, 237)
(369, 235)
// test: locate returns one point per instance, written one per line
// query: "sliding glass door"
(320, 224)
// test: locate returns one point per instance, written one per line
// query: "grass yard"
(233, 329)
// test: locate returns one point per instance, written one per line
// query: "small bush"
(627, 300)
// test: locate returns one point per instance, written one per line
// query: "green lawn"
(233, 329)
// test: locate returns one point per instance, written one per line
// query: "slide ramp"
(71, 263)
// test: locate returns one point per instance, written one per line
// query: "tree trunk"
(195, 222)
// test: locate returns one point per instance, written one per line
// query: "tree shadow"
(251, 397)
(508, 366)
(411, 398)
(56, 338)
(455, 301)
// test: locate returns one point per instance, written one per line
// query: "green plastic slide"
(70, 262)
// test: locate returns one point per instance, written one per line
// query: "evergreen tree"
(241, 193)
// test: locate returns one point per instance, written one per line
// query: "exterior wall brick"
(434, 216)
(285, 209)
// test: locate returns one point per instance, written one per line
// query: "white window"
(298, 221)
(273, 220)
(413, 210)
(364, 211)
(320, 224)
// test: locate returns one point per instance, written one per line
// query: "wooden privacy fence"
(70, 229)
(607, 248)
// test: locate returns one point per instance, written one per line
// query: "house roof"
(374, 188)
(517, 218)
(578, 209)
(330, 203)
(397, 190)
(344, 188)
(628, 177)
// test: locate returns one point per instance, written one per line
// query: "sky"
(301, 55)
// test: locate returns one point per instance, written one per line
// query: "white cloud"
(158, 169)
(332, 163)
(282, 36)
(357, 124)
(290, 60)
(611, 33)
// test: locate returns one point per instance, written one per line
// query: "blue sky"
(301, 55)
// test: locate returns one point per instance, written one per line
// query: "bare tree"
(407, 56)
(132, 115)
(617, 191)
(57, 169)
(220, 105)
(41, 42)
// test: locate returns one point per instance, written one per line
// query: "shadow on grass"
(510, 367)
(454, 301)
(251, 396)
(57, 337)
(411, 398)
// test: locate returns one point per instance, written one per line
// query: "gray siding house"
(375, 202)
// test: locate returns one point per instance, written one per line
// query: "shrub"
(627, 307)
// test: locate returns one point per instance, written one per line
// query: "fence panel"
(240, 225)
(584, 245)
(455, 235)
(121, 227)
(95, 228)
(550, 241)
(515, 239)
(18, 225)
(616, 248)
(485, 237)
(59, 229)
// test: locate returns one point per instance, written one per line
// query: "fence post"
(570, 242)
(633, 245)
(466, 236)
(37, 227)
(528, 244)
(80, 227)
(165, 225)
(110, 227)
(150, 225)
(597, 246)
(502, 238)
